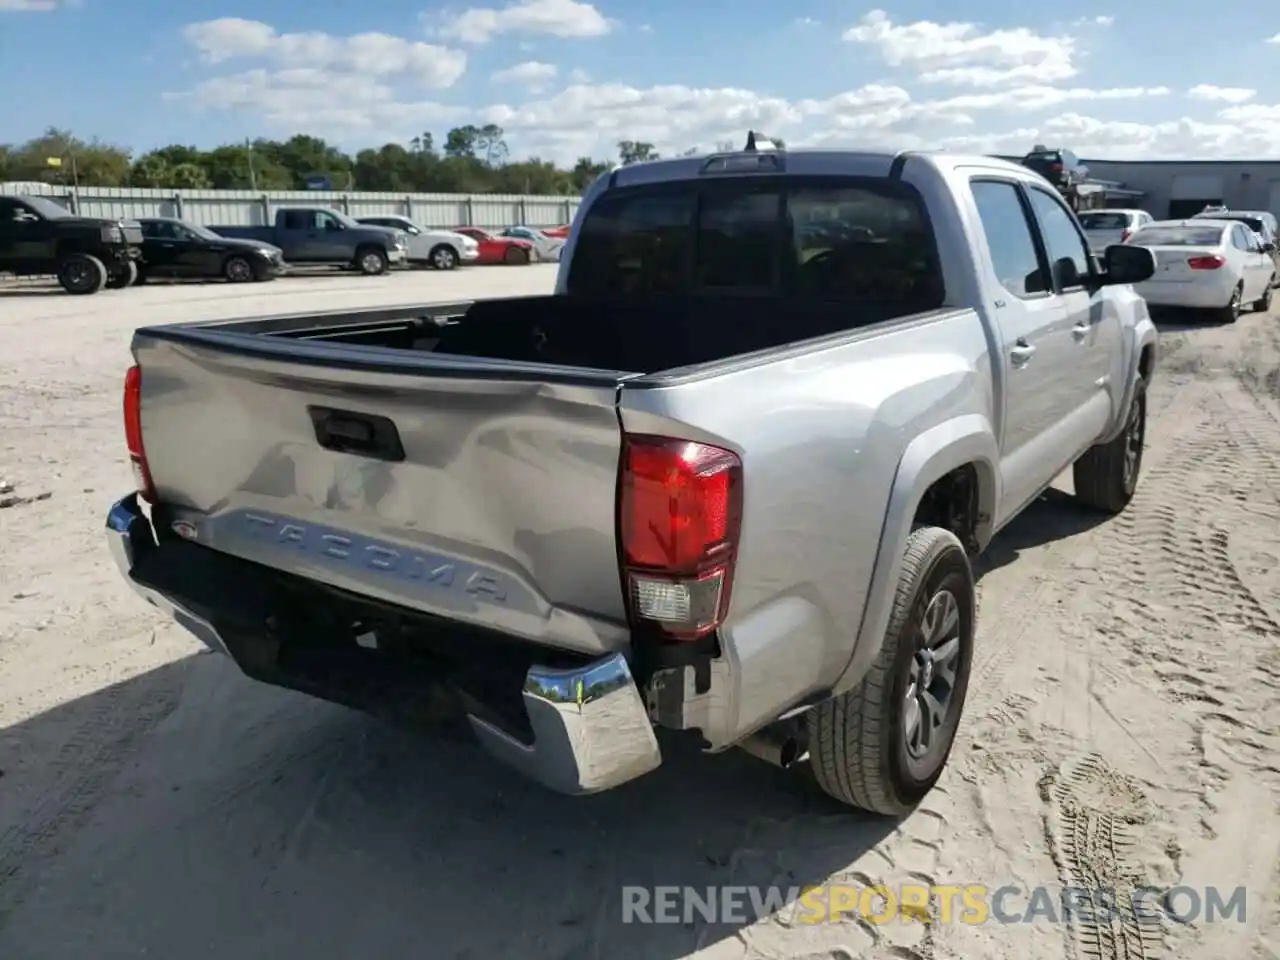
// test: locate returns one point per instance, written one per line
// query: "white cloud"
(1275, 39)
(28, 6)
(303, 98)
(558, 18)
(376, 54)
(806, 22)
(1207, 91)
(532, 75)
(1007, 91)
(1102, 20)
(963, 54)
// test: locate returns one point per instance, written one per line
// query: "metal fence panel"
(249, 208)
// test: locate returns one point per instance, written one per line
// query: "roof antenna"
(751, 142)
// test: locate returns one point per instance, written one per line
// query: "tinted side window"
(296, 220)
(1062, 239)
(1009, 236)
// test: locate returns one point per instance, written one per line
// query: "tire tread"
(847, 732)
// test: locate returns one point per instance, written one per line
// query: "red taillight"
(133, 433)
(1125, 235)
(679, 517)
(1206, 263)
(1055, 167)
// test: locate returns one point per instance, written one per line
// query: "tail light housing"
(133, 434)
(1125, 234)
(1055, 167)
(1212, 262)
(680, 517)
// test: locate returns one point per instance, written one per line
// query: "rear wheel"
(1231, 312)
(237, 270)
(81, 274)
(123, 276)
(515, 255)
(371, 261)
(882, 745)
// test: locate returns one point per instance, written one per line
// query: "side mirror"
(1127, 263)
(1066, 273)
(1268, 246)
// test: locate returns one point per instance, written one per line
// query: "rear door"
(299, 237)
(159, 247)
(1035, 343)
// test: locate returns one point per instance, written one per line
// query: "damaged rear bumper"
(590, 729)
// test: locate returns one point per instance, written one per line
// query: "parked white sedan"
(546, 247)
(1216, 265)
(442, 249)
(1105, 227)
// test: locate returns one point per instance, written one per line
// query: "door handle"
(1021, 352)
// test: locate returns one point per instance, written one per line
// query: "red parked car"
(498, 249)
(560, 233)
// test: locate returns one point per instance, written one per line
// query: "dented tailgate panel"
(501, 512)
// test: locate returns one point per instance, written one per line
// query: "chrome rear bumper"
(591, 729)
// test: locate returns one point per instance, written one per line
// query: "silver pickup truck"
(727, 479)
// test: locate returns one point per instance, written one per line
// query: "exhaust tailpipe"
(781, 743)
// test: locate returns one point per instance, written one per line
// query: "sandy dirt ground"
(1122, 729)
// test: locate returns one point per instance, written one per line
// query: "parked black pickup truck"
(176, 248)
(319, 235)
(39, 237)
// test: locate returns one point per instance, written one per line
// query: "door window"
(297, 220)
(1010, 239)
(1062, 239)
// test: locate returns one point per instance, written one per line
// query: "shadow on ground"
(190, 812)
(1054, 516)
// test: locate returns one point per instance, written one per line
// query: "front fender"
(969, 439)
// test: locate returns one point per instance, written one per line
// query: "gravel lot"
(1123, 724)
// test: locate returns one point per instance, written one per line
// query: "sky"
(566, 78)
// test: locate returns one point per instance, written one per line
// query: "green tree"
(474, 159)
(635, 151)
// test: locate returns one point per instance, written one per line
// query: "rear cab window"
(833, 239)
(1103, 220)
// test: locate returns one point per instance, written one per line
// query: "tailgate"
(501, 511)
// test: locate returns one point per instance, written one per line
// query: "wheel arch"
(962, 449)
